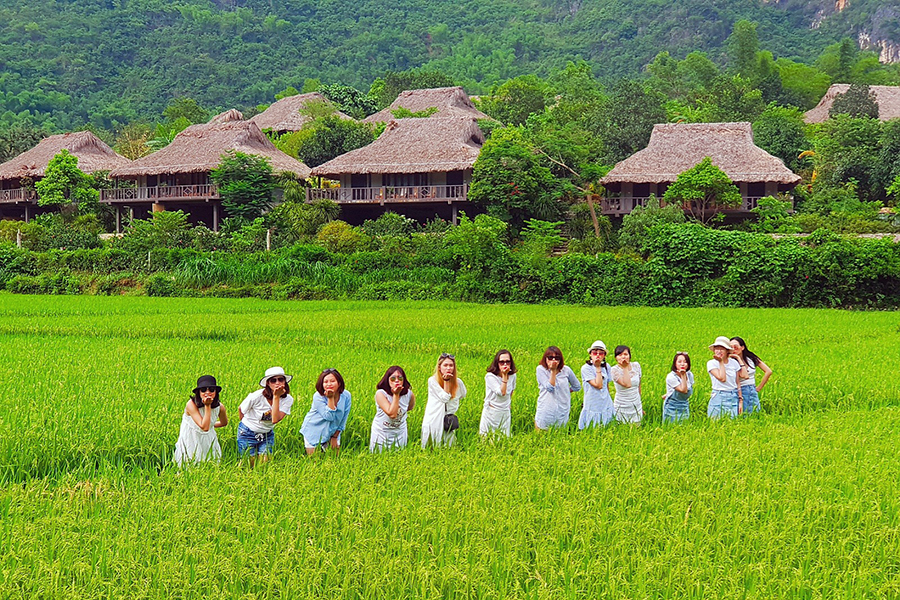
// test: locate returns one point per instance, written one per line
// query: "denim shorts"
(676, 409)
(723, 404)
(751, 399)
(250, 442)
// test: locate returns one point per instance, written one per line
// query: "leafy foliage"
(703, 189)
(858, 102)
(246, 184)
(65, 183)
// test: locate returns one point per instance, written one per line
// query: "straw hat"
(722, 341)
(274, 372)
(598, 345)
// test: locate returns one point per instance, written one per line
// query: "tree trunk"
(590, 202)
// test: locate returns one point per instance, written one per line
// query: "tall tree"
(246, 184)
(702, 190)
(64, 183)
(858, 101)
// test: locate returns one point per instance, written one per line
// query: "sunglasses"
(504, 362)
(598, 351)
(395, 378)
(445, 355)
(277, 380)
(553, 358)
(207, 389)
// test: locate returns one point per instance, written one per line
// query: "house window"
(359, 180)
(405, 179)
(756, 189)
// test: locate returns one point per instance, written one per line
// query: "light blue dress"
(598, 405)
(321, 422)
(555, 401)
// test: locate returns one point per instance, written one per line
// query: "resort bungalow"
(450, 102)
(887, 96)
(676, 147)
(177, 176)
(420, 167)
(285, 115)
(17, 176)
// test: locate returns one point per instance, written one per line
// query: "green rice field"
(801, 502)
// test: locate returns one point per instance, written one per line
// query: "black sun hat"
(207, 381)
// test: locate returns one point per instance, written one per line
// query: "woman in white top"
(750, 389)
(393, 401)
(679, 388)
(556, 382)
(627, 377)
(445, 390)
(204, 413)
(499, 384)
(724, 370)
(597, 377)
(260, 411)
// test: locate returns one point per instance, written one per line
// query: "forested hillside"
(111, 62)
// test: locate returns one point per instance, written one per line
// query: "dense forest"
(65, 64)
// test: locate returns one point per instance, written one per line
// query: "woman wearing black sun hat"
(197, 440)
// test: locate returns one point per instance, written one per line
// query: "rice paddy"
(801, 502)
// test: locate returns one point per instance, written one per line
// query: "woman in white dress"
(627, 377)
(499, 384)
(393, 401)
(204, 413)
(556, 382)
(597, 377)
(445, 390)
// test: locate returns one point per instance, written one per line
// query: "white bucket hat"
(598, 345)
(723, 342)
(274, 372)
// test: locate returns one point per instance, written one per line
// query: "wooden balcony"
(389, 194)
(617, 207)
(162, 193)
(18, 196)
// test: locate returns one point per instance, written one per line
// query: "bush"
(340, 238)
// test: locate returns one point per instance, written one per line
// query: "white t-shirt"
(751, 370)
(492, 386)
(673, 381)
(731, 370)
(258, 412)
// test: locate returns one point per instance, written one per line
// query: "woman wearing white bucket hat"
(724, 370)
(260, 411)
(596, 376)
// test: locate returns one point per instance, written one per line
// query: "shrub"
(339, 237)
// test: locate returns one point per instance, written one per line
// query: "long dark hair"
(385, 384)
(199, 403)
(495, 364)
(553, 351)
(746, 352)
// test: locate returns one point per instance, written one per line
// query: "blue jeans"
(723, 404)
(248, 441)
(751, 399)
(675, 408)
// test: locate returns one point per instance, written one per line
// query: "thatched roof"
(887, 96)
(93, 155)
(450, 101)
(284, 115)
(676, 147)
(199, 149)
(229, 115)
(413, 146)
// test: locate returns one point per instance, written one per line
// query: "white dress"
(440, 403)
(496, 415)
(195, 445)
(628, 399)
(387, 432)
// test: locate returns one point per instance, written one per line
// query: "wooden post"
(268, 240)
(18, 238)
(590, 202)
(27, 215)
(454, 213)
(215, 222)
(118, 219)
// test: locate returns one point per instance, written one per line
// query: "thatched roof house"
(887, 96)
(676, 147)
(199, 149)
(414, 161)
(93, 155)
(449, 101)
(284, 115)
(412, 146)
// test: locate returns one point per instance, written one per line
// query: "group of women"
(732, 371)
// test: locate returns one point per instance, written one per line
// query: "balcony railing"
(18, 195)
(623, 206)
(381, 195)
(160, 193)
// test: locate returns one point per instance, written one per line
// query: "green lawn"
(800, 503)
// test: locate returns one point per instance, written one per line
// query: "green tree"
(627, 131)
(780, 131)
(858, 101)
(324, 138)
(185, 108)
(511, 183)
(515, 100)
(385, 89)
(702, 190)
(246, 184)
(17, 139)
(64, 183)
(743, 46)
(636, 225)
(350, 100)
